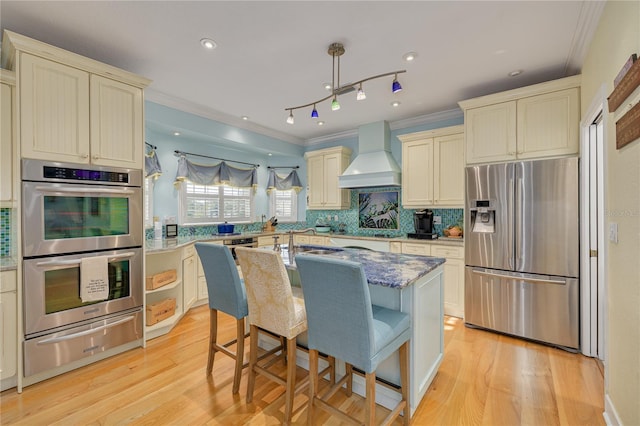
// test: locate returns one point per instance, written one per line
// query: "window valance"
(152, 164)
(291, 181)
(219, 174)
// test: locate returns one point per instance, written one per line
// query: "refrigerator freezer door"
(537, 307)
(547, 217)
(489, 236)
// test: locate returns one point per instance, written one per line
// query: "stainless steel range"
(83, 261)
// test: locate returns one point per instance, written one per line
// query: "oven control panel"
(68, 173)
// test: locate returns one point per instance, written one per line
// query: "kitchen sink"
(319, 251)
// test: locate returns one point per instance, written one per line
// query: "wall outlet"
(437, 220)
(328, 218)
(335, 218)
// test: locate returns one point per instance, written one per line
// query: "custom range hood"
(374, 165)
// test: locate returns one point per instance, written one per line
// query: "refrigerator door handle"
(511, 195)
(517, 277)
(519, 194)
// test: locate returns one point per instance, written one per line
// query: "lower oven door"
(51, 288)
(57, 349)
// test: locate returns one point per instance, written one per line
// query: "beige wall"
(617, 37)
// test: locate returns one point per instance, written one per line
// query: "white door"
(592, 230)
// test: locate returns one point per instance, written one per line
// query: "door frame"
(593, 295)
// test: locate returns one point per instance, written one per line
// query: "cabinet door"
(448, 171)
(189, 281)
(417, 173)
(116, 124)
(315, 181)
(548, 124)
(9, 334)
(6, 143)
(416, 248)
(332, 192)
(490, 133)
(454, 287)
(54, 111)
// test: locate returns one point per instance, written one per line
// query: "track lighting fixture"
(336, 50)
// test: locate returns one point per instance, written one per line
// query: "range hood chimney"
(374, 165)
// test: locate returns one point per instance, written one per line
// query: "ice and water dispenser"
(483, 216)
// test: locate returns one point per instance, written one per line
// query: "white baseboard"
(610, 414)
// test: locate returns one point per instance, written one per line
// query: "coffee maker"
(423, 224)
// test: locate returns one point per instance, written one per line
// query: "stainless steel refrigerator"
(522, 249)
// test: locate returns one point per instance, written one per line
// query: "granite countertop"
(385, 269)
(153, 246)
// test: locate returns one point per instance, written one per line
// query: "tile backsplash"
(350, 217)
(5, 232)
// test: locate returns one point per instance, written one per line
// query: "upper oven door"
(65, 218)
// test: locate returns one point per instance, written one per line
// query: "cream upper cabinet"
(531, 122)
(323, 168)
(491, 133)
(74, 109)
(117, 135)
(7, 148)
(433, 168)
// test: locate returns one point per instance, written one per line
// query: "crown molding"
(205, 112)
(590, 14)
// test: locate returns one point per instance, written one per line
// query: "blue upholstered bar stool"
(343, 323)
(227, 294)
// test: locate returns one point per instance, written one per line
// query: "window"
(202, 204)
(148, 202)
(284, 205)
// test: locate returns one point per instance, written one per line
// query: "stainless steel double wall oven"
(71, 212)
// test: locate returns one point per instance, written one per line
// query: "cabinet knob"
(84, 155)
(95, 157)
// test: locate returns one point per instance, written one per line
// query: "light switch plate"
(613, 232)
(437, 220)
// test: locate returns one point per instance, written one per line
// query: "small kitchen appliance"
(423, 224)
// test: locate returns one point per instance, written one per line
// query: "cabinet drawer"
(321, 241)
(414, 248)
(395, 247)
(265, 241)
(448, 252)
(188, 251)
(8, 281)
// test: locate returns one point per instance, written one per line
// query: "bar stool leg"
(213, 338)
(349, 373)
(404, 380)
(313, 383)
(253, 359)
(239, 355)
(370, 403)
(291, 379)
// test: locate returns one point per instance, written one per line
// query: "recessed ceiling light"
(327, 86)
(395, 103)
(500, 52)
(410, 56)
(176, 133)
(269, 154)
(320, 123)
(515, 73)
(245, 118)
(207, 43)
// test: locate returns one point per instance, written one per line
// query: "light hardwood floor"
(485, 378)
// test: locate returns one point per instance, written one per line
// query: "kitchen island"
(407, 283)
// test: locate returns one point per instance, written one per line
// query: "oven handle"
(52, 340)
(77, 261)
(48, 189)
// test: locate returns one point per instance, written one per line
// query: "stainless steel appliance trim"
(77, 262)
(105, 326)
(32, 170)
(518, 277)
(49, 190)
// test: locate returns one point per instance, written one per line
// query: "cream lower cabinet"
(70, 111)
(189, 276)
(203, 292)
(7, 148)
(453, 273)
(433, 168)
(531, 122)
(8, 329)
(323, 168)
(453, 278)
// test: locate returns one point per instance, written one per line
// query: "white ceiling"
(273, 55)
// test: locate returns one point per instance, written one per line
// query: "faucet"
(292, 247)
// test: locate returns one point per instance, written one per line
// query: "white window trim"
(182, 210)
(294, 207)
